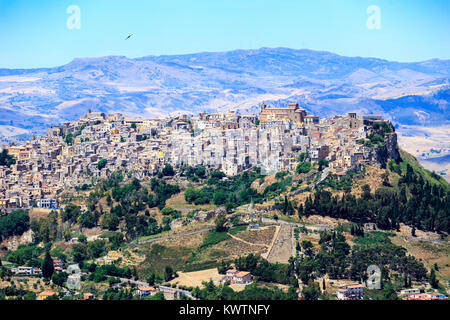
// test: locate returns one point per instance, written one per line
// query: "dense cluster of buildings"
(26, 271)
(58, 266)
(425, 296)
(68, 155)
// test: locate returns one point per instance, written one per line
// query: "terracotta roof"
(355, 286)
(242, 274)
(149, 288)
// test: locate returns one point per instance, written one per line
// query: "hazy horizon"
(48, 33)
(232, 50)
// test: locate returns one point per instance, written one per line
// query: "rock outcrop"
(12, 243)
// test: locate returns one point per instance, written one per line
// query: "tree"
(224, 266)
(168, 211)
(300, 210)
(108, 200)
(366, 192)
(303, 156)
(323, 163)
(59, 278)
(29, 296)
(71, 213)
(220, 197)
(307, 247)
(116, 239)
(157, 296)
(151, 279)
(303, 167)
(110, 221)
(287, 206)
(168, 273)
(101, 164)
(220, 222)
(190, 194)
(47, 266)
(200, 172)
(389, 293)
(6, 159)
(69, 139)
(311, 291)
(168, 170)
(15, 223)
(433, 281)
(89, 219)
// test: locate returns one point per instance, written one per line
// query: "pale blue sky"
(34, 33)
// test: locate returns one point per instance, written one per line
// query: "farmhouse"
(146, 291)
(237, 277)
(28, 271)
(351, 292)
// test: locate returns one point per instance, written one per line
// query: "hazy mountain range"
(323, 83)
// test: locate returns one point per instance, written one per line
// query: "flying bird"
(128, 37)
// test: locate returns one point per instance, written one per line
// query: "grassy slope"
(418, 168)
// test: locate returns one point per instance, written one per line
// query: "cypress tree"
(47, 266)
(433, 281)
(151, 279)
(300, 210)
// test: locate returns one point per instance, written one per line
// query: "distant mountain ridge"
(323, 83)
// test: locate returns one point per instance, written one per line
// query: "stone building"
(293, 112)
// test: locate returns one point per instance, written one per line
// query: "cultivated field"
(196, 278)
(262, 236)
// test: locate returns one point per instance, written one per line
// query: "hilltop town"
(89, 149)
(277, 205)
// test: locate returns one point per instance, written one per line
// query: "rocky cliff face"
(380, 156)
(392, 146)
(13, 242)
(388, 151)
